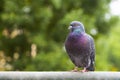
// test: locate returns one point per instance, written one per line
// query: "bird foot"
(84, 70)
(75, 69)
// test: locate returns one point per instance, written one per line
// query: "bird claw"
(84, 70)
(75, 69)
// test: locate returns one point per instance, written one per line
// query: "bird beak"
(69, 27)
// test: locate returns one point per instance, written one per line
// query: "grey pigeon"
(80, 47)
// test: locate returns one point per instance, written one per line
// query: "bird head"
(76, 25)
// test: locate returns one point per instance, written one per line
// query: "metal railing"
(59, 75)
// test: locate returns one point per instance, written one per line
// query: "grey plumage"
(80, 47)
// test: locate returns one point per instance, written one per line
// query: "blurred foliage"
(32, 33)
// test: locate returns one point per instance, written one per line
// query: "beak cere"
(69, 27)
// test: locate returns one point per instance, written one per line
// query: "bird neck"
(78, 31)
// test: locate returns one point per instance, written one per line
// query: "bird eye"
(71, 24)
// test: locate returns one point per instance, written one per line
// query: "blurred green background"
(32, 34)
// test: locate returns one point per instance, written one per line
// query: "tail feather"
(91, 67)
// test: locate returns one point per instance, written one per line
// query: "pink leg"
(75, 69)
(84, 70)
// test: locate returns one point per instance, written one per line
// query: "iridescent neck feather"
(78, 30)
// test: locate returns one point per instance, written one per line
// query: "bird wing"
(92, 53)
(92, 47)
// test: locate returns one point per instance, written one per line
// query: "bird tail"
(91, 67)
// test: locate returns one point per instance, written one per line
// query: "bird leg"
(75, 69)
(84, 70)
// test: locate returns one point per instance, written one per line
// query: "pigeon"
(80, 47)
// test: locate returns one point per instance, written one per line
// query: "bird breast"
(77, 40)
